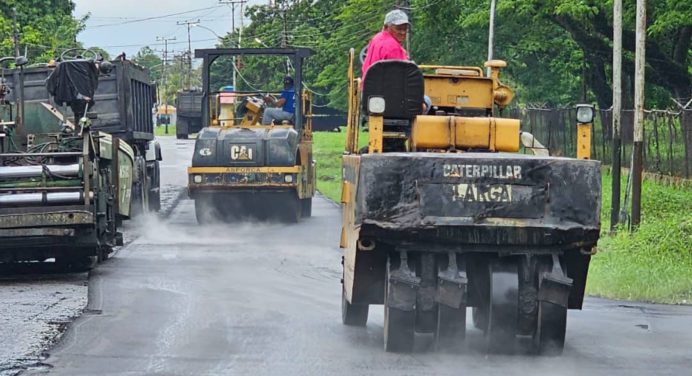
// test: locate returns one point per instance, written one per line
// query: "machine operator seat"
(401, 84)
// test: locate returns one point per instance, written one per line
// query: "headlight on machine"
(197, 178)
(288, 178)
(376, 105)
(585, 113)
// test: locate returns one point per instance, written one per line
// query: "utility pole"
(189, 24)
(19, 118)
(233, 3)
(639, 66)
(491, 35)
(163, 73)
(15, 34)
(284, 34)
(617, 112)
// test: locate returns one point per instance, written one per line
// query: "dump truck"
(124, 101)
(441, 212)
(65, 184)
(241, 168)
(77, 157)
(189, 115)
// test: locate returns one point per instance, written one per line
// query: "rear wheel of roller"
(353, 314)
(503, 307)
(399, 325)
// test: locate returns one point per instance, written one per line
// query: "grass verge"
(327, 150)
(652, 264)
(161, 130)
(655, 262)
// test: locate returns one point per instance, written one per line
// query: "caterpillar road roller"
(240, 167)
(64, 186)
(442, 212)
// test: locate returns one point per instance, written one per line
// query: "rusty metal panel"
(32, 232)
(54, 218)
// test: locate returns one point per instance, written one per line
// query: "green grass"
(327, 149)
(652, 264)
(161, 130)
(655, 262)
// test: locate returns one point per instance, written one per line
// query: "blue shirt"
(290, 96)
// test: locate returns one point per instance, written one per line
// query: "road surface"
(264, 299)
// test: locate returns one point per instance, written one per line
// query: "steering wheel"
(272, 99)
(241, 108)
(79, 53)
(363, 53)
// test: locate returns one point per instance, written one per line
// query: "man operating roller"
(387, 44)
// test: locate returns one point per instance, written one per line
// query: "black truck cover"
(124, 101)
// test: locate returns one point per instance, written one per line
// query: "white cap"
(396, 17)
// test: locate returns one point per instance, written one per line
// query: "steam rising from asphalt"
(155, 230)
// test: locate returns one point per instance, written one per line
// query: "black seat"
(400, 83)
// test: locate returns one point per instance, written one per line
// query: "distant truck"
(165, 115)
(188, 104)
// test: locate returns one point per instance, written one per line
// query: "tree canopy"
(559, 51)
(45, 28)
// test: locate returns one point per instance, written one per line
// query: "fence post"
(639, 69)
(686, 122)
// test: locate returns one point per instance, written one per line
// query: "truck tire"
(140, 190)
(292, 209)
(154, 186)
(353, 314)
(181, 128)
(75, 263)
(306, 207)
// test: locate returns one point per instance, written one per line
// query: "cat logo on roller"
(241, 153)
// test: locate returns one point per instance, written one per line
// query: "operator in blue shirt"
(284, 108)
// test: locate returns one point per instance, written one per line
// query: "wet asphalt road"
(264, 299)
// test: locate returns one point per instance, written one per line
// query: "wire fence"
(667, 136)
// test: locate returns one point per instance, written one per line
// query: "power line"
(163, 72)
(189, 24)
(154, 17)
(136, 45)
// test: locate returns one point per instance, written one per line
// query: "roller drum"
(15, 172)
(41, 198)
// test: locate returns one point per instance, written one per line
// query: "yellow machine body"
(464, 133)
(584, 141)
(442, 213)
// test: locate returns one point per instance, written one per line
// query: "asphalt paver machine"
(64, 186)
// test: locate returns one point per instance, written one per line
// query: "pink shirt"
(383, 46)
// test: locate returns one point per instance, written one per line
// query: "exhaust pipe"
(45, 198)
(14, 172)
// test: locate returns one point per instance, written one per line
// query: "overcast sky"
(119, 26)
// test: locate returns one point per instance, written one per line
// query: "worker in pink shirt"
(386, 45)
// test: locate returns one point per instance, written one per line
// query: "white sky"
(114, 24)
